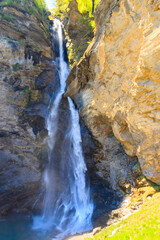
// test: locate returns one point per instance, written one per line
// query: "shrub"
(7, 17)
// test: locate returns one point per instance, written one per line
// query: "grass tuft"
(143, 225)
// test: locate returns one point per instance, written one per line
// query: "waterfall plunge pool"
(19, 227)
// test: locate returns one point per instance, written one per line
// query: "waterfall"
(67, 207)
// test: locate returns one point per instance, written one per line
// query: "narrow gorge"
(79, 129)
(67, 206)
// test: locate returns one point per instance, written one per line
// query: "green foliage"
(27, 97)
(83, 6)
(27, 91)
(38, 8)
(40, 4)
(7, 17)
(85, 26)
(9, 2)
(61, 5)
(86, 6)
(16, 67)
(31, 10)
(143, 225)
(30, 6)
(35, 7)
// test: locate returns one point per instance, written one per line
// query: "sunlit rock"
(118, 78)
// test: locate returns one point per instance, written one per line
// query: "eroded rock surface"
(116, 84)
(28, 78)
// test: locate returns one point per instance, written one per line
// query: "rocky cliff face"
(116, 87)
(78, 29)
(27, 75)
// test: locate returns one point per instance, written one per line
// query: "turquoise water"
(19, 227)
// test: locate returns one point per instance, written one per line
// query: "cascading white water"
(67, 206)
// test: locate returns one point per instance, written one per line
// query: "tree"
(92, 6)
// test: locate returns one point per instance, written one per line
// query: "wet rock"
(47, 78)
(104, 199)
(26, 52)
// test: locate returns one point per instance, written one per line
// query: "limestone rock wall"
(116, 84)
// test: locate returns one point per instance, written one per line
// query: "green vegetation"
(9, 2)
(27, 97)
(35, 7)
(84, 7)
(27, 91)
(40, 4)
(16, 67)
(7, 17)
(143, 225)
(81, 35)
